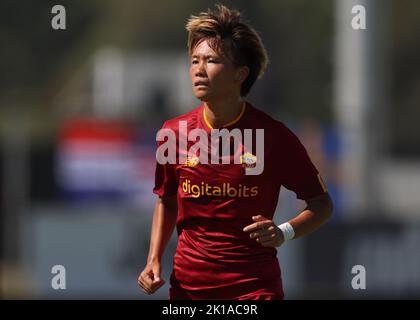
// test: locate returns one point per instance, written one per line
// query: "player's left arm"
(299, 175)
(318, 210)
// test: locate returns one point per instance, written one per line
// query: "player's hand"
(265, 232)
(149, 279)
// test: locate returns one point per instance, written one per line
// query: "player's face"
(213, 76)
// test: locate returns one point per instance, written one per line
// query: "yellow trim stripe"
(205, 119)
(321, 181)
(228, 124)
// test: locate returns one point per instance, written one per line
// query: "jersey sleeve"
(299, 173)
(166, 180)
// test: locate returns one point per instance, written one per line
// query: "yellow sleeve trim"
(324, 187)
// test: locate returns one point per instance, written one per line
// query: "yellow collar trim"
(227, 124)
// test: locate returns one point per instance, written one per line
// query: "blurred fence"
(103, 250)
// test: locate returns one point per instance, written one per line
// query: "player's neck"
(220, 113)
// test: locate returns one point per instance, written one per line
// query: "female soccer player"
(227, 240)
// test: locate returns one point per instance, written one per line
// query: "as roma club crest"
(248, 160)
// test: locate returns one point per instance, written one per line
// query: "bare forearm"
(164, 221)
(317, 212)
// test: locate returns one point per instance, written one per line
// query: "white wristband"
(287, 230)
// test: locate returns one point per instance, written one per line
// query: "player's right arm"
(164, 221)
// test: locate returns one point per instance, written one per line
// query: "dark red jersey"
(216, 201)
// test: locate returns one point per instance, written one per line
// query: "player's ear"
(242, 73)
